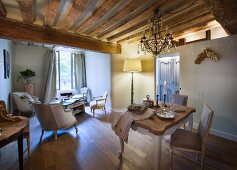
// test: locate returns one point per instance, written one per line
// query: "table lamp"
(132, 65)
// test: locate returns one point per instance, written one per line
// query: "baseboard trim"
(220, 134)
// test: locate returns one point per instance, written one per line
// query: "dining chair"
(185, 140)
(53, 117)
(99, 103)
(180, 99)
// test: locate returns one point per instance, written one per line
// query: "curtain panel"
(50, 74)
(80, 71)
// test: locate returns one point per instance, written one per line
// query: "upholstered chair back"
(180, 99)
(53, 116)
(205, 123)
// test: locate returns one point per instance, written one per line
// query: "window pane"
(65, 70)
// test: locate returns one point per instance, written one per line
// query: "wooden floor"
(96, 147)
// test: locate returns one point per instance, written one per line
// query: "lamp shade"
(132, 65)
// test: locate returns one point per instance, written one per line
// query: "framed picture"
(6, 64)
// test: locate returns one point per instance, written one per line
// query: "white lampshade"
(132, 65)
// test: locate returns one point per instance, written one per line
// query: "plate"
(166, 115)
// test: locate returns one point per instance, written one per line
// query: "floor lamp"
(132, 65)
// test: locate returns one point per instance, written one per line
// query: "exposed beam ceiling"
(114, 21)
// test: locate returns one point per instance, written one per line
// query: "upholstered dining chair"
(180, 99)
(53, 117)
(193, 142)
(99, 103)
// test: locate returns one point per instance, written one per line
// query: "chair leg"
(76, 128)
(55, 135)
(93, 112)
(42, 133)
(196, 156)
(171, 159)
(202, 161)
(28, 145)
(105, 110)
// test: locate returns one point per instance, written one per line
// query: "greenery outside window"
(65, 70)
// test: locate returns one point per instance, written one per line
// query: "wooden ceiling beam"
(35, 33)
(51, 12)
(135, 19)
(177, 27)
(225, 13)
(97, 14)
(3, 11)
(130, 31)
(26, 7)
(78, 7)
(132, 6)
(179, 18)
(144, 15)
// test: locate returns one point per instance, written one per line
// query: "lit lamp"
(132, 65)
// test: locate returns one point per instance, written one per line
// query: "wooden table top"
(11, 130)
(158, 126)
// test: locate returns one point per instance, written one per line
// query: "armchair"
(99, 103)
(53, 117)
(83, 94)
(23, 101)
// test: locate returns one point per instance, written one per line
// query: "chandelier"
(155, 43)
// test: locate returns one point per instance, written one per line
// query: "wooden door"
(167, 73)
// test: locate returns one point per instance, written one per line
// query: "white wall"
(213, 83)
(29, 57)
(6, 84)
(98, 74)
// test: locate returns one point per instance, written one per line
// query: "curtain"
(80, 71)
(50, 74)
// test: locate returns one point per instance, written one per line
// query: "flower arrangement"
(26, 75)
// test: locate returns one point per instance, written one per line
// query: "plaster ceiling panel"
(13, 10)
(39, 9)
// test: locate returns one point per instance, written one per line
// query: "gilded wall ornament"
(207, 53)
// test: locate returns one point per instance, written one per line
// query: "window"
(65, 70)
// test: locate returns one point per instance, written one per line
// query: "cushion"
(29, 97)
(186, 139)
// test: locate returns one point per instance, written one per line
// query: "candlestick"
(164, 100)
(157, 98)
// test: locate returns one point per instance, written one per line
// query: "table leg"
(20, 151)
(121, 147)
(157, 152)
(190, 122)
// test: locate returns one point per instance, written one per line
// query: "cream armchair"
(99, 103)
(84, 94)
(53, 117)
(23, 101)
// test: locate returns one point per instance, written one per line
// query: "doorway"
(167, 76)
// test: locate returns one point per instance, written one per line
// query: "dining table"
(158, 127)
(11, 131)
